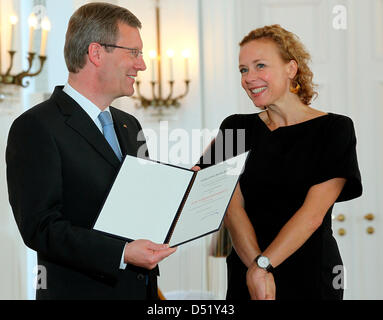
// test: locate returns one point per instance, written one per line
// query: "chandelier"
(19, 79)
(158, 102)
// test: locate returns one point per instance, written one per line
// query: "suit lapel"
(79, 121)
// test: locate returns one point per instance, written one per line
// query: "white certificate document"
(209, 197)
(168, 204)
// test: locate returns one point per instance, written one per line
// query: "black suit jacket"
(60, 169)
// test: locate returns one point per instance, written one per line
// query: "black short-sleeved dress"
(282, 166)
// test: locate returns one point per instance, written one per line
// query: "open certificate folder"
(168, 204)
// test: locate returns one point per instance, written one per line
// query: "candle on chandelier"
(45, 28)
(170, 54)
(13, 19)
(153, 58)
(186, 55)
(32, 22)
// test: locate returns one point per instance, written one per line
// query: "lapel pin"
(125, 126)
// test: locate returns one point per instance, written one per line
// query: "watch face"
(263, 262)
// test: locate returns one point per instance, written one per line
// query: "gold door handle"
(341, 217)
(370, 230)
(369, 216)
(341, 232)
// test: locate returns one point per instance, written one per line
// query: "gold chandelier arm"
(155, 97)
(12, 55)
(144, 102)
(171, 84)
(18, 79)
(42, 62)
(187, 85)
(31, 56)
(139, 95)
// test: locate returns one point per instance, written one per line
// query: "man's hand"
(260, 283)
(146, 254)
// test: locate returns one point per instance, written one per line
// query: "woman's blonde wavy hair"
(290, 48)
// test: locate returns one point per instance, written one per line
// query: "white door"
(346, 44)
(363, 217)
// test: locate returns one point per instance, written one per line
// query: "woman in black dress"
(302, 161)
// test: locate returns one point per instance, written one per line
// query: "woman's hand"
(260, 283)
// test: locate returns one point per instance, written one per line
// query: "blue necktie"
(109, 133)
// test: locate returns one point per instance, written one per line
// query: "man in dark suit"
(61, 165)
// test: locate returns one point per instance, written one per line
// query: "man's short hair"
(94, 22)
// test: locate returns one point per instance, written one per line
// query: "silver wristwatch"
(264, 263)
